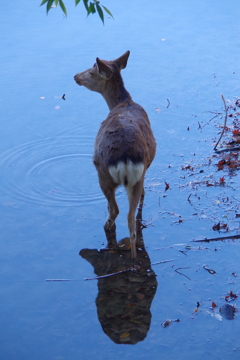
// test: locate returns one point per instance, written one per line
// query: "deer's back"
(125, 134)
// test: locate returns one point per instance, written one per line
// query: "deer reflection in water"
(124, 300)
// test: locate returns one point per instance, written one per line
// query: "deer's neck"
(115, 93)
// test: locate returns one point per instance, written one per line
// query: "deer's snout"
(76, 78)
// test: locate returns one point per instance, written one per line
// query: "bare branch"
(225, 121)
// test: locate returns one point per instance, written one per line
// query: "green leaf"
(100, 12)
(86, 5)
(43, 2)
(62, 6)
(108, 11)
(49, 4)
(92, 8)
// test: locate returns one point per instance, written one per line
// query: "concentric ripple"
(55, 172)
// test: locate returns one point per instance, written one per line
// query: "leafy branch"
(91, 7)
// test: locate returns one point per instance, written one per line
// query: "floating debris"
(231, 296)
(212, 272)
(167, 322)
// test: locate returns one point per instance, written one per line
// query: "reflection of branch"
(181, 273)
(225, 121)
(219, 238)
(129, 269)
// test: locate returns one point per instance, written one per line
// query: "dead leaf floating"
(214, 305)
(167, 186)
(231, 296)
(222, 180)
(219, 226)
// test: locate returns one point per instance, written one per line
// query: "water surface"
(183, 55)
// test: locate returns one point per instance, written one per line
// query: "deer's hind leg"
(135, 194)
(108, 188)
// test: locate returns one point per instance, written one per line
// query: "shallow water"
(183, 55)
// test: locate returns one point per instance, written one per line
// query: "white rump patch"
(129, 172)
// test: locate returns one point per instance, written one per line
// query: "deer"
(125, 145)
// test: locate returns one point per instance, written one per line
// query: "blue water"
(51, 206)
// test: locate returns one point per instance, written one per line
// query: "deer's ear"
(104, 70)
(122, 60)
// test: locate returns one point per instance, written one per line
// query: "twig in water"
(168, 103)
(236, 148)
(212, 272)
(225, 121)
(184, 252)
(108, 275)
(129, 269)
(181, 273)
(219, 238)
(58, 280)
(162, 262)
(210, 119)
(189, 199)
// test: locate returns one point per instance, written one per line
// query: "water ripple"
(54, 171)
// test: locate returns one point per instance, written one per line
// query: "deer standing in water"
(125, 145)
